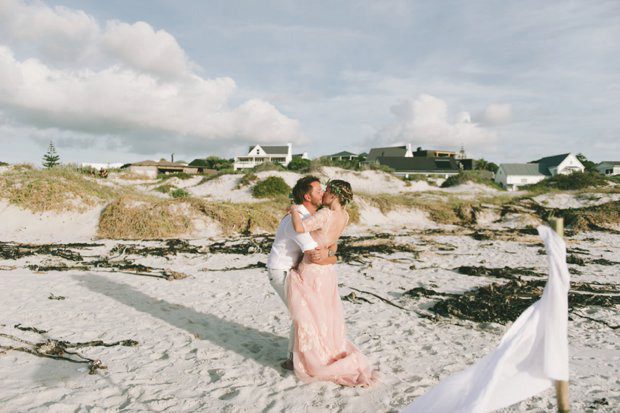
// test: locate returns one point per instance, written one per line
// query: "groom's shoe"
(287, 364)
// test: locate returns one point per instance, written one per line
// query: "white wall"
(569, 165)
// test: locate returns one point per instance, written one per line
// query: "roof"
(551, 161)
(272, 150)
(390, 151)
(525, 169)
(403, 164)
(610, 162)
(343, 153)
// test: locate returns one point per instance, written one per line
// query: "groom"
(289, 246)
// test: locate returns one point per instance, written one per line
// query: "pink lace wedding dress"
(321, 350)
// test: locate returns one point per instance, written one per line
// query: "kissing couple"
(301, 270)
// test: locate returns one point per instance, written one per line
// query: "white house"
(560, 164)
(609, 168)
(513, 175)
(258, 154)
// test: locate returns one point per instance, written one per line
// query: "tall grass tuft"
(135, 218)
(57, 189)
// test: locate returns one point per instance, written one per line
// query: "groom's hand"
(317, 255)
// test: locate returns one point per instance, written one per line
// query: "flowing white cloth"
(530, 357)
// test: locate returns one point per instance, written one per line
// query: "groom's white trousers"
(277, 278)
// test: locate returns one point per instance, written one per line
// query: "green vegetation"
(268, 166)
(269, 187)
(576, 180)
(164, 189)
(247, 180)
(469, 176)
(3, 163)
(51, 158)
(179, 193)
(587, 164)
(299, 165)
(484, 165)
(213, 162)
(180, 175)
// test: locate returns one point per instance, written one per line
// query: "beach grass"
(56, 189)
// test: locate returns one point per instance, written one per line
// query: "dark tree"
(588, 165)
(51, 158)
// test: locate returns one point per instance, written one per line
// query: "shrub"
(468, 176)
(3, 164)
(271, 187)
(180, 175)
(576, 180)
(217, 175)
(300, 165)
(246, 180)
(164, 188)
(268, 166)
(179, 193)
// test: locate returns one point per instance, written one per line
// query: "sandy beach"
(211, 337)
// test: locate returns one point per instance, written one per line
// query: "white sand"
(21, 225)
(203, 346)
(565, 200)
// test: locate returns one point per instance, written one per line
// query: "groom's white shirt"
(288, 245)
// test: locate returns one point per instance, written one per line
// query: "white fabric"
(277, 279)
(530, 357)
(288, 245)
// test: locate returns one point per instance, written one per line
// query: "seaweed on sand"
(170, 247)
(503, 303)
(60, 349)
(14, 251)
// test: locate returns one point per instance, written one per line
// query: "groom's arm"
(321, 256)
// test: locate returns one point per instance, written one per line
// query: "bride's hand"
(292, 208)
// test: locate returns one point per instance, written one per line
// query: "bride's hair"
(342, 189)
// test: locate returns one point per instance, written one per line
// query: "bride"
(321, 350)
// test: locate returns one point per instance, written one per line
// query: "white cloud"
(425, 121)
(498, 113)
(125, 80)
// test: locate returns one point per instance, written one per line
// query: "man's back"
(288, 245)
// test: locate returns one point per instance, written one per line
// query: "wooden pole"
(561, 386)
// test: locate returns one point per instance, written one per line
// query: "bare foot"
(287, 364)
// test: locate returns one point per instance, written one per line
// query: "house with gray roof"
(390, 152)
(259, 154)
(609, 168)
(343, 156)
(513, 175)
(438, 167)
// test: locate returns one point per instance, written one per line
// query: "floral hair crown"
(341, 189)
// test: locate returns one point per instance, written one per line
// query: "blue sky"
(120, 81)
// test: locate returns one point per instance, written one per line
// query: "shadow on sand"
(265, 348)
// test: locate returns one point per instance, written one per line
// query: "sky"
(129, 80)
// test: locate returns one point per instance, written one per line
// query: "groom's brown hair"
(302, 187)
